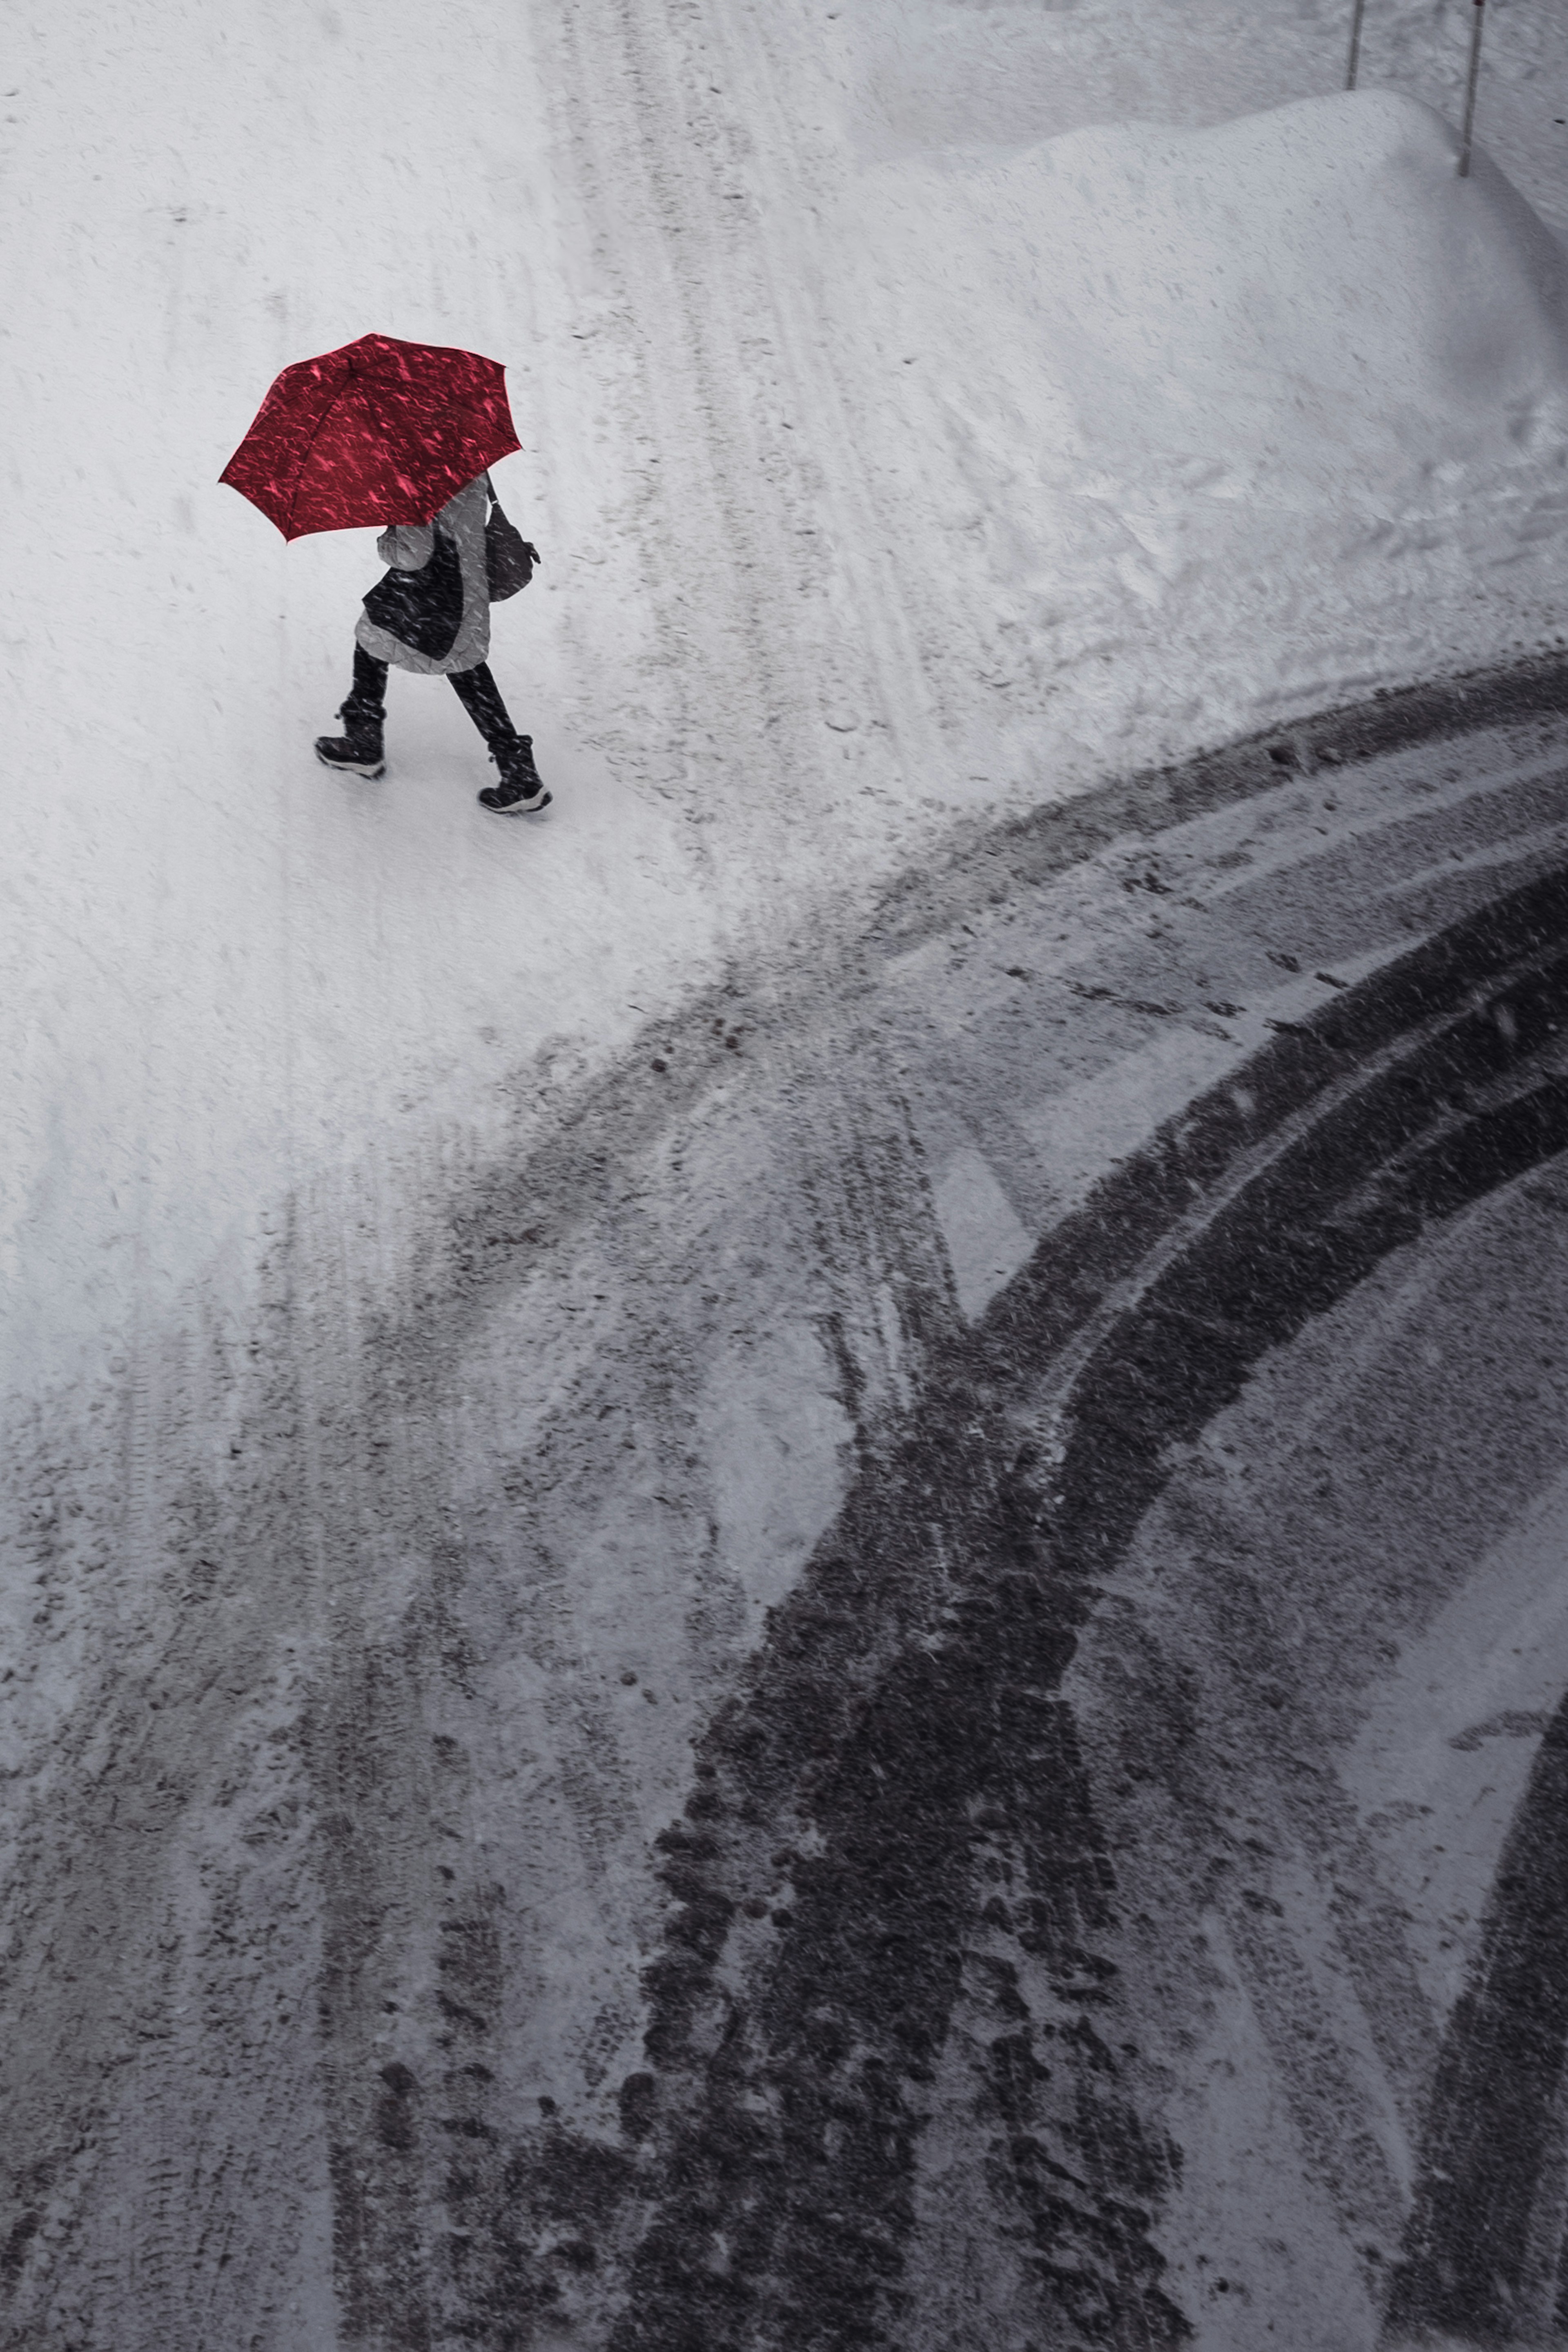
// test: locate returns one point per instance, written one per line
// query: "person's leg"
(518, 791)
(480, 696)
(369, 682)
(359, 748)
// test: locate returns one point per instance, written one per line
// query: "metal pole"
(1477, 23)
(1355, 43)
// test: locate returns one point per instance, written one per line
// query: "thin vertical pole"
(1354, 44)
(1475, 25)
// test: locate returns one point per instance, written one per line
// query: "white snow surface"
(911, 436)
(1240, 413)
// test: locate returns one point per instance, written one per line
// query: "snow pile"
(1235, 417)
(930, 74)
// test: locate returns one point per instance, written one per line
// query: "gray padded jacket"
(407, 547)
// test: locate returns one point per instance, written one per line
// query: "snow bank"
(1237, 416)
(930, 74)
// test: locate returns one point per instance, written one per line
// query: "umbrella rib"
(317, 430)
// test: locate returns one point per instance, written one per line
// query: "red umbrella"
(380, 432)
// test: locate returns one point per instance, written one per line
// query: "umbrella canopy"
(380, 432)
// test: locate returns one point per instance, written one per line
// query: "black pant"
(476, 690)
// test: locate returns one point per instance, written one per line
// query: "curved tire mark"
(1484, 2252)
(788, 2065)
(488, 2257)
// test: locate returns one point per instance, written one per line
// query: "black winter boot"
(358, 751)
(519, 791)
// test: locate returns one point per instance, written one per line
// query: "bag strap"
(529, 550)
(495, 501)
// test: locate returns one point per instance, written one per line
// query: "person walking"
(402, 435)
(448, 591)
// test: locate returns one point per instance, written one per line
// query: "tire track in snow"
(789, 2140)
(757, 649)
(548, 2256)
(161, 1905)
(1488, 2235)
(508, 1461)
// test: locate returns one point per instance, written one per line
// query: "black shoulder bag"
(509, 558)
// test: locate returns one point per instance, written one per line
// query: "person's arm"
(407, 546)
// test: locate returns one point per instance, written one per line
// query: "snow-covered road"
(570, 1776)
(591, 1777)
(865, 507)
